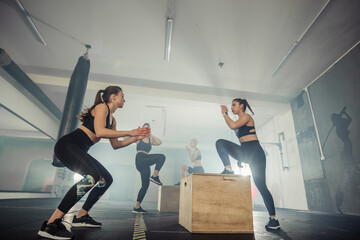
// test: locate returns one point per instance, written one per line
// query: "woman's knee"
(106, 181)
(220, 143)
(109, 180)
(161, 159)
(84, 185)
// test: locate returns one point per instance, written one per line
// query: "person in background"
(143, 161)
(195, 158)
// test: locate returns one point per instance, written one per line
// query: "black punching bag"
(74, 100)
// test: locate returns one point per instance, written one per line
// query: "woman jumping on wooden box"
(143, 162)
(195, 158)
(249, 152)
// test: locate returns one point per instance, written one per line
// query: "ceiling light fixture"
(30, 22)
(169, 26)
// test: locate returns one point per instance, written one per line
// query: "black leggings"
(143, 162)
(252, 153)
(71, 150)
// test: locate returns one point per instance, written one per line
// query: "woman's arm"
(154, 140)
(100, 113)
(231, 123)
(189, 153)
(195, 155)
(115, 143)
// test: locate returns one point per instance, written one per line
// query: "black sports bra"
(143, 146)
(244, 130)
(89, 124)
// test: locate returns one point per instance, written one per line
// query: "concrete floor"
(21, 219)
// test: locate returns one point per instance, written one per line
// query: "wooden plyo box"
(169, 199)
(216, 203)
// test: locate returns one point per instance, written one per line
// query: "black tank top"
(143, 146)
(89, 124)
(243, 131)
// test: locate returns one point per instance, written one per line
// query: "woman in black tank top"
(143, 161)
(72, 149)
(249, 152)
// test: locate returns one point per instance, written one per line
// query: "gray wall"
(333, 184)
(25, 164)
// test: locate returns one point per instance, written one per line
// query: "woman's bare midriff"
(248, 138)
(197, 163)
(90, 134)
(141, 151)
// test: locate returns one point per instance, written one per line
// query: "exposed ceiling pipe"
(298, 41)
(30, 22)
(322, 156)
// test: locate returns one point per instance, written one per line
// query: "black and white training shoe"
(156, 180)
(138, 210)
(55, 230)
(227, 171)
(85, 221)
(273, 224)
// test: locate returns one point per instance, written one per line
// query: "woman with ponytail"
(72, 149)
(249, 152)
(143, 161)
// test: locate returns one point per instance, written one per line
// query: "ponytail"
(245, 103)
(102, 96)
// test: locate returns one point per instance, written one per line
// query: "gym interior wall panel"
(317, 192)
(306, 138)
(291, 177)
(318, 195)
(284, 176)
(43, 182)
(15, 163)
(336, 105)
(14, 100)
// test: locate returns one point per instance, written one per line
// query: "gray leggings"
(143, 162)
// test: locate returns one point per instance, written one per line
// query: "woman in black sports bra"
(249, 152)
(143, 161)
(72, 149)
